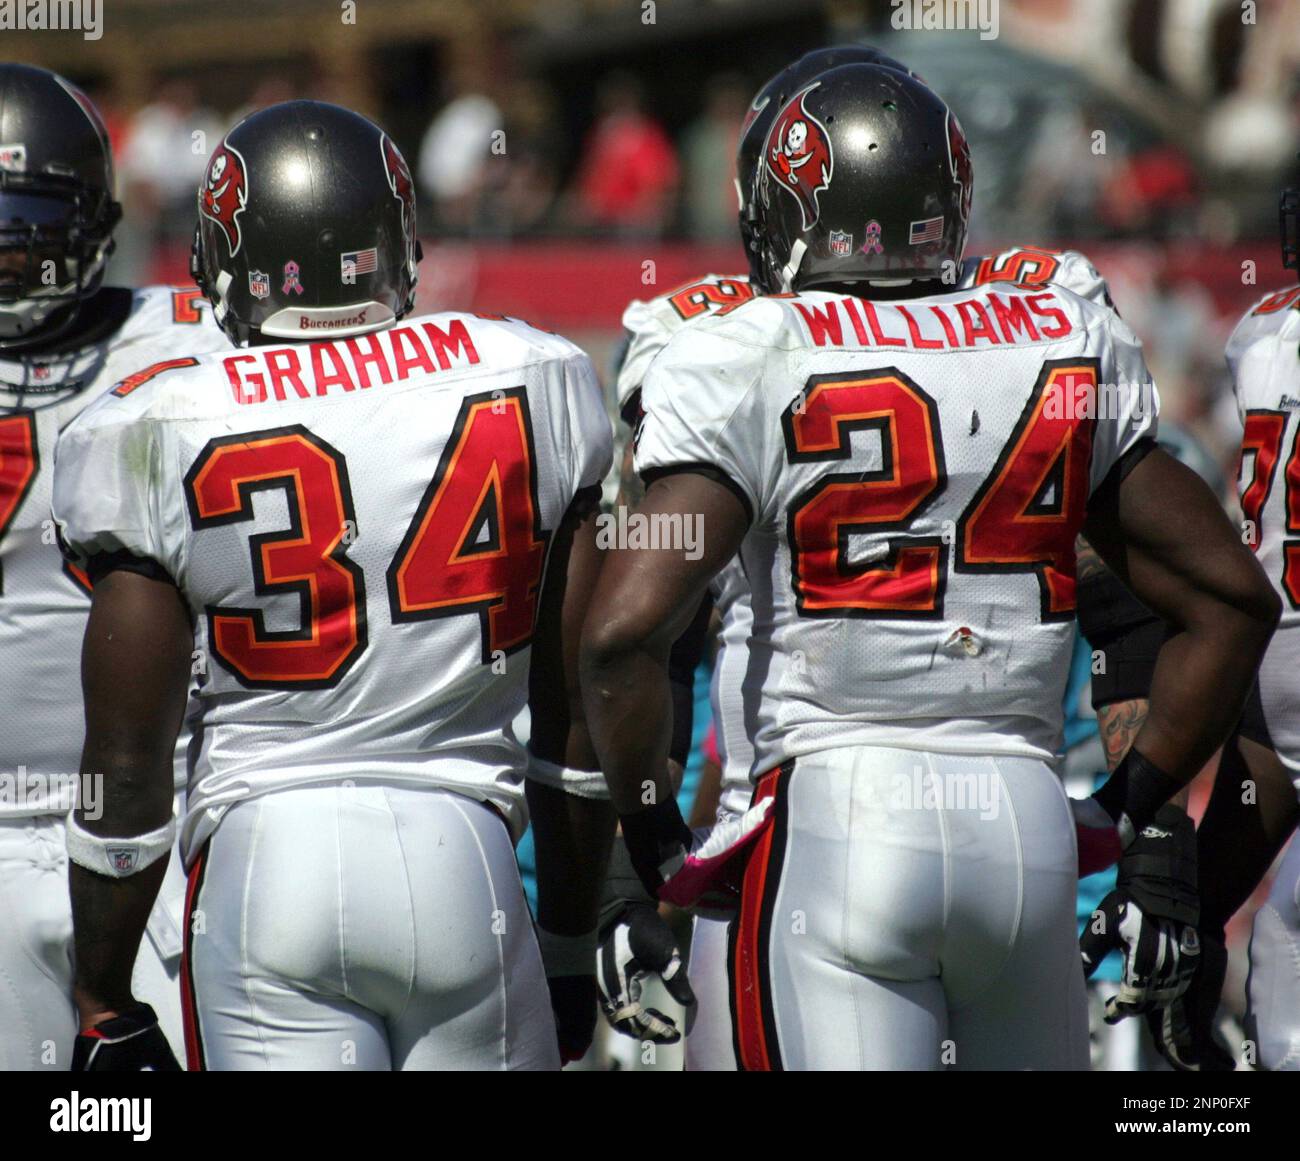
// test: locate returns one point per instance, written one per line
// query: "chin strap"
(791, 268)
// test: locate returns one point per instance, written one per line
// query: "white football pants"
(367, 927)
(38, 1021)
(910, 910)
(1273, 989)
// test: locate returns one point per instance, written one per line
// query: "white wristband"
(582, 783)
(567, 955)
(118, 856)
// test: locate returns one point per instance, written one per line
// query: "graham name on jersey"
(382, 358)
(990, 320)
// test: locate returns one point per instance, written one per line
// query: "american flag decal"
(356, 262)
(930, 230)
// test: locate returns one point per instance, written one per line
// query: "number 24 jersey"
(916, 473)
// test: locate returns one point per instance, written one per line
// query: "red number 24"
(1022, 518)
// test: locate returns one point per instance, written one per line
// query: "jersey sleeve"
(591, 435)
(704, 407)
(1260, 352)
(1076, 272)
(106, 471)
(1128, 404)
(646, 336)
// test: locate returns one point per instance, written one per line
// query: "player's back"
(360, 528)
(917, 471)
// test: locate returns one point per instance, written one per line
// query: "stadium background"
(571, 155)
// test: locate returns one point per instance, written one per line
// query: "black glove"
(636, 941)
(129, 1042)
(568, 962)
(657, 841)
(1151, 917)
(573, 1001)
(1184, 1031)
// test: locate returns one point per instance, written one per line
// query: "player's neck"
(877, 293)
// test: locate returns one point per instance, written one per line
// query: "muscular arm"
(135, 667)
(645, 599)
(572, 834)
(1165, 534)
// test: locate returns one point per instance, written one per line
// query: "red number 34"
(474, 545)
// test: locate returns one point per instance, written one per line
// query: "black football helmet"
(306, 226)
(57, 211)
(865, 177)
(769, 101)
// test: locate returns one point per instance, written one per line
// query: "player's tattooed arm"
(643, 603)
(1119, 724)
(135, 672)
(1164, 533)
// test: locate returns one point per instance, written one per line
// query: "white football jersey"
(43, 601)
(1263, 355)
(361, 529)
(651, 323)
(916, 473)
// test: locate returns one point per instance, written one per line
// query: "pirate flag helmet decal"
(797, 155)
(224, 193)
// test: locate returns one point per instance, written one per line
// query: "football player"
(634, 941)
(904, 472)
(379, 535)
(65, 338)
(1253, 809)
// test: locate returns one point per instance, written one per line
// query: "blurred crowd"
(1061, 150)
(1135, 152)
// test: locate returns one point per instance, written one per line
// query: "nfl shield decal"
(841, 243)
(259, 283)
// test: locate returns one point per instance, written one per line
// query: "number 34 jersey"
(360, 528)
(915, 472)
(43, 602)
